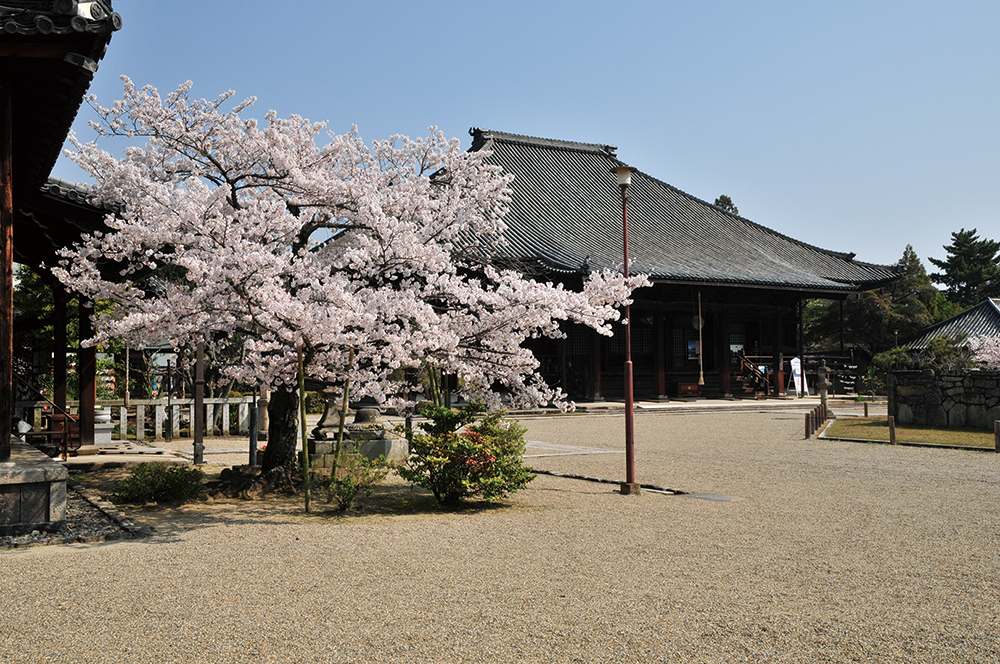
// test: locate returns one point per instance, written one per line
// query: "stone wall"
(948, 400)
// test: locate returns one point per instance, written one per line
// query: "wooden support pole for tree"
(306, 470)
(996, 434)
(343, 417)
(892, 430)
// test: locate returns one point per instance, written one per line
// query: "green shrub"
(483, 460)
(355, 477)
(158, 482)
(315, 403)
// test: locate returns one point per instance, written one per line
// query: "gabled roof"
(565, 213)
(982, 320)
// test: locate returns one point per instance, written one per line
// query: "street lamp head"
(624, 174)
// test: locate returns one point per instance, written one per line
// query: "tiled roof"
(50, 49)
(565, 214)
(982, 320)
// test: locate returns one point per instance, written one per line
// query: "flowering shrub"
(483, 460)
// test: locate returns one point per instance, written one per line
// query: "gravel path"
(832, 552)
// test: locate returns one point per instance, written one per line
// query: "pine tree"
(971, 271)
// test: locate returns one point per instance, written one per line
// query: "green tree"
(878, 320)
(33, 315)
(942, 354)
(970, 271)
(726, 203)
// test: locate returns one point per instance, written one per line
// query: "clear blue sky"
(854, 126)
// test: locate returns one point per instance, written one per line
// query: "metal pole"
(630, 485)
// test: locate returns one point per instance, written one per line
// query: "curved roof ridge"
(483, 136)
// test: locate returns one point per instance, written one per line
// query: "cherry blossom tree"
(986, 352)
(261, 237)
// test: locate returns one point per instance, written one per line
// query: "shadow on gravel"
(171, 521)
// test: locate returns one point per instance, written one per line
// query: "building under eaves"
(742, 284)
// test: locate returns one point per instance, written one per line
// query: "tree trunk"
(282, 412)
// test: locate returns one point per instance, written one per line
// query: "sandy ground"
(827, 552)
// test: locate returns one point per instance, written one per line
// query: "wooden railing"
(147, 419)
(752, 375)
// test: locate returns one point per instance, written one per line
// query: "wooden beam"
(6, 271)
(52, 47)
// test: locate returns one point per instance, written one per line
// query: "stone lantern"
(822, 384)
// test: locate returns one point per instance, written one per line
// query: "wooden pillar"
(660, 357)
(87, 369)
(801, 345)
(723, 353)
(562, 366)
(198, 414)
(779, 359)
(6, 272)
(596, 368)
(841, 304)
(59, 302)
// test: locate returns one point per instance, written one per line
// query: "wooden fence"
(147, 419)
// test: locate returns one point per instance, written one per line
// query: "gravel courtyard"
(829, 552)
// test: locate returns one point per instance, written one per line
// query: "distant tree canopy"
(878, 320)
(726, 203)
(942, 354)
(970, 272)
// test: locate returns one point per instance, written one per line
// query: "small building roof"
(565, 214)
(981, 320)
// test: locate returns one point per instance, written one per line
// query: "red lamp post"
(629, 486)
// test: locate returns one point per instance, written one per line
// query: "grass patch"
(877, 428)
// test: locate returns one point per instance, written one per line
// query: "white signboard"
(800, 379)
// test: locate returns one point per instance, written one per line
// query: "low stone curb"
(132, 528)
(900, 443)
(129, 529)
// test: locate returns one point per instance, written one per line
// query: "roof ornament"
(60, 17)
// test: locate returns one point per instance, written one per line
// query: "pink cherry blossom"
(986, 351)
(262, 236)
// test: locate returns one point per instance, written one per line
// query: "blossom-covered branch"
(254, 234)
